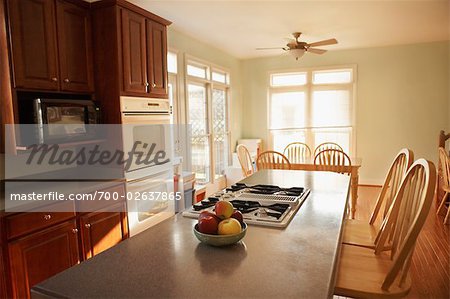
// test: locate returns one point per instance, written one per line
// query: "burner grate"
(270, 197)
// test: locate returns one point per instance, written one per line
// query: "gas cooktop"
(266, 205)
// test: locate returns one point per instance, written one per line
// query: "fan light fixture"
(297, 53)
(298, 48)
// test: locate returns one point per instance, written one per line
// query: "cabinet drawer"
(24, 223)
(117, 192)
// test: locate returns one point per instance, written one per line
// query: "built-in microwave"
(59, 121)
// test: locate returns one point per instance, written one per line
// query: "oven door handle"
(163, 174)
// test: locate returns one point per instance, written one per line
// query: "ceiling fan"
(298, 48)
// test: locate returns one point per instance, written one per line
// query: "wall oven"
(146, 129)
(150, 200)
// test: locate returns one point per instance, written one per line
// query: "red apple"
(208, 225)
(238, 216)
(224, 209)
(207, 213)
(229, 226)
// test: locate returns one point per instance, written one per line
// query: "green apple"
(223, 209)
(229, 226)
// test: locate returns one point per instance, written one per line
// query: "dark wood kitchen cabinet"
(35, 246)
(102, 230)
(157, 62)
(134, 50)
(41, 255)
(130, 50)
(34, 48)
(144, 49)
(51, 45)
(3, 271)
(75, 53)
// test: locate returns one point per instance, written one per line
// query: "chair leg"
(444, 199)
(447, 216)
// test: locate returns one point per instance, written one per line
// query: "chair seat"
(359, 233)
(361, 274)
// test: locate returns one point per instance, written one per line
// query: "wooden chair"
(327, 145)
(332, 160)
(363, 233)
(444, 161)
(297, 152)
(363, 274)
(272, 160)
(245, 160)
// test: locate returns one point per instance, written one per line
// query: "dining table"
(351, 170)
(167, 260)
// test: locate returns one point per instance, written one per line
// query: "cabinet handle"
(66, 80)
(146, 86)
(154, 85)
(74, 230)
(87, 225)
(54, 79)
(47, 217)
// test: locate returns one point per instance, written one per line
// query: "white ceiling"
(238, 27)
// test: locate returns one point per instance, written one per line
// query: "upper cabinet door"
(134, 50)
(157, 63)
(34, 50)
(75, 53)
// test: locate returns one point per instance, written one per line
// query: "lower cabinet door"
(3, 291)
(102, 230)
(41, 255)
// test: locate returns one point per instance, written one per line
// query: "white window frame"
(308, 88)
(220, 181)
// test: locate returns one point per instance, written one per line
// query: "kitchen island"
(168, 261)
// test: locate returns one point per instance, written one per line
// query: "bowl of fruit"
(224, 227)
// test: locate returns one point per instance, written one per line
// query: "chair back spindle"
(297, 152)
(272, 160)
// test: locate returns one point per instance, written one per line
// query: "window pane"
(196, 71)
(219, 77)
(323, 77)
(200, 158)
(282, 138)
(172, 62)
(288, 79)
(200, 142)
(341, 136)
(197, 109)
(287, 110)
(219, 111)
(331, 108)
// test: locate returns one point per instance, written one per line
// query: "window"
(207, 109)
(172, 68)
(312, 106)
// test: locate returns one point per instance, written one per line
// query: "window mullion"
(210, 131)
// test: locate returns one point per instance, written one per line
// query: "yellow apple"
(223, 209)
(229, 226)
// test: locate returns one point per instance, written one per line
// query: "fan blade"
(279, 48)
(316, 51)
(326, 42)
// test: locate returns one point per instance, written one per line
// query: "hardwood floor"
(430, 268)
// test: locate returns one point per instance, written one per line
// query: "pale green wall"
(402, 99)
(188, 45)
(402, 95)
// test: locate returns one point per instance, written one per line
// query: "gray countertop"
(168, 261)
